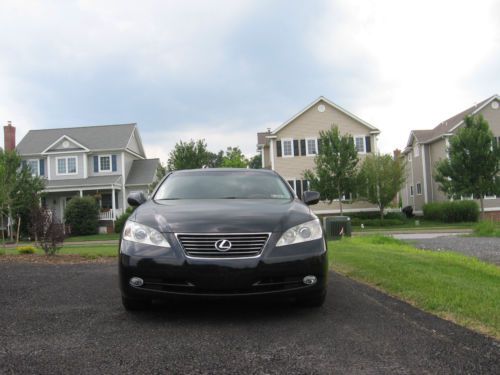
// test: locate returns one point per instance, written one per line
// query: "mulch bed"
(54, 259)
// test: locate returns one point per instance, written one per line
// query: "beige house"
(426, 147)
(290, 149)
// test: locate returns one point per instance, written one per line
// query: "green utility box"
(337, 226)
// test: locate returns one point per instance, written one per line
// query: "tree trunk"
(481, 201)
(381, 213)
(340, 201)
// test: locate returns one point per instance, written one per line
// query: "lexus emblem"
(223, 245)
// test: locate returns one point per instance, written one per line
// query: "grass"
(487, 229)
(452, 286)
(87, 251)
(423, 225)
(94, 237)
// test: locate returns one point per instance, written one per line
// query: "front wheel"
(131, 304)
(315, 300)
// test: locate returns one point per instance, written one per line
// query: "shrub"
(452, 212)
(376, 215)
(120, 220)
(25, 249)
(47, 230)
(82, 214)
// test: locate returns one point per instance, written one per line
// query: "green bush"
(452, 212)
(120, 220)
(82, 215)
(26, 249)
(376, 215)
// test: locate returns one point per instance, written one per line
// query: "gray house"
(106, 162)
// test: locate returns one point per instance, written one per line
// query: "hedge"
(452, 212)
(120, 220)
(82, 215)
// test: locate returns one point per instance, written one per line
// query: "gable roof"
(338, 108)
(101, 137)
(449, 125)
(142, 172)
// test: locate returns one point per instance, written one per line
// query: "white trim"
(271, 152)
(425, 174)
(322, 98)
(85, 166)
(315, 146)
(62, 151)
(77, 188)
(124, 199)
(47, 168)
(283, 140)
(363, 142)
(262, 162)
(99, 170)
(66, 163)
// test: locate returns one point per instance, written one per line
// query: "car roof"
(240, 170)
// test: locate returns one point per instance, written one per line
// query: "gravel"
(484, 248)
(67, 319)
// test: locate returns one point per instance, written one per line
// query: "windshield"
(223, 185)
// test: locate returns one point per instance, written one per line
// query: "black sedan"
(222, 233)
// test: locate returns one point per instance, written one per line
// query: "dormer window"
(105, 163)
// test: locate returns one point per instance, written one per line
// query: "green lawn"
(86, 251)
(94, 237)
(422, 225)
(452, 286)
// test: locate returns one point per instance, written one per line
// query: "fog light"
(136, 281)
(309, 280)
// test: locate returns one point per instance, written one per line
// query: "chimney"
(9, 137)
(396, 153)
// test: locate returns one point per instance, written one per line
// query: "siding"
(90, 164)
(53, 167)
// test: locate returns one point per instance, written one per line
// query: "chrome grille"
(202, 245)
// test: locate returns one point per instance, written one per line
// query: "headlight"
(139, 233)
(301, 233)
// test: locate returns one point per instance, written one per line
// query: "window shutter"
(368, 144)
(319, 145)
(303, 147)
(298, 189)
(278, 148)
(96, 164)
(24, 164)
(42, 167)
(296, 147)
(113, 163)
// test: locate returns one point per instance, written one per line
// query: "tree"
(234, 158)
(188, 155)
(47, 230)
(25, 196)
(161, 171)
(82, 214)
(473, 165)
(9, 164)
(379, 180)
(255, 162)
(335, 170)
(215, 160)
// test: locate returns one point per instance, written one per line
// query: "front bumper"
(276, 271)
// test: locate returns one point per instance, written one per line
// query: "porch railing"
(108, 215)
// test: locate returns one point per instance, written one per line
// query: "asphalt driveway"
(68, 319)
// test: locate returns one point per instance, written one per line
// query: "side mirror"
(310, 197)
(136, 199)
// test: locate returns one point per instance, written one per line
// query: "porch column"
(113, 203)
(81, 193)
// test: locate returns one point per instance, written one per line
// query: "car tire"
(131, 304)
(315, 300)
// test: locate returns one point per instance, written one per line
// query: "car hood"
(222, 215)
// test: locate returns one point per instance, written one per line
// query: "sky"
(224, 70)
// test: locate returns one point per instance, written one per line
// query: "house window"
(66, 165)
(311, 146)
(359, 143)
(411, 191)
(287, 147)
(105, 163)
(33, 167)
(416, 150)
(419, 188)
